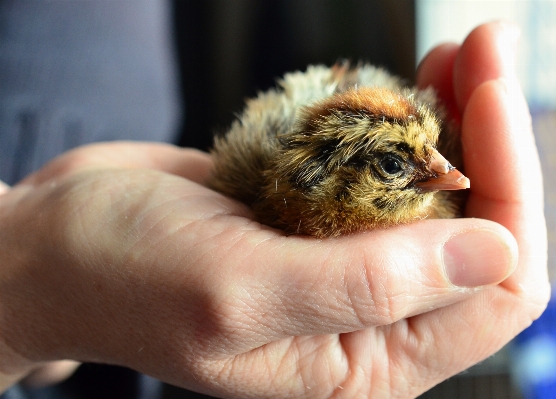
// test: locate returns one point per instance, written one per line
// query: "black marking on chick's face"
(317, 156)
(384, 166)
(341, 195)
(381, 203)
(313, 170)
(315, 166)
(405, 148)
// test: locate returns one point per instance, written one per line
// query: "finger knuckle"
(378, 296)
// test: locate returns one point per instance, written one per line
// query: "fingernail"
(477, 258)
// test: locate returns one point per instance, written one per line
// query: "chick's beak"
(446, 176)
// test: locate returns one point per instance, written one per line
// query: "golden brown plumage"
(338, 150)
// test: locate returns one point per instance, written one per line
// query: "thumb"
(306, 286)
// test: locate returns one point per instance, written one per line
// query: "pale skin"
(118, 253)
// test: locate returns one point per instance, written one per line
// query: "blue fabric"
(78, 72)
(534, 356)
(73, 73)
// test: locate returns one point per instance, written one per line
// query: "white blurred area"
(451, 20)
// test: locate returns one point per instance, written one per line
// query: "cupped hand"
(118, 253)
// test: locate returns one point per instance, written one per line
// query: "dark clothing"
(78, 72)
(73, 73)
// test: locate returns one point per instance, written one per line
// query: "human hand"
(109, 257)
(46, 374)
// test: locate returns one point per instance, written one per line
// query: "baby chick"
(338, 150)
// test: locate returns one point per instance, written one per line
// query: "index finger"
(497, 137)
(191, 164)
(500, 154)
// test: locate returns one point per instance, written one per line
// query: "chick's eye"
(391, 165)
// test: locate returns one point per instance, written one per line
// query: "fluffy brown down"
(337, 150)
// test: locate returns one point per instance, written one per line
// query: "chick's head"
(358, 160)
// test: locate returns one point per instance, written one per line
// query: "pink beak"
(448, 177)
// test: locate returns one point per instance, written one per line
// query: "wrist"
(15, 282)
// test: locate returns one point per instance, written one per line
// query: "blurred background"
(230, 50)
